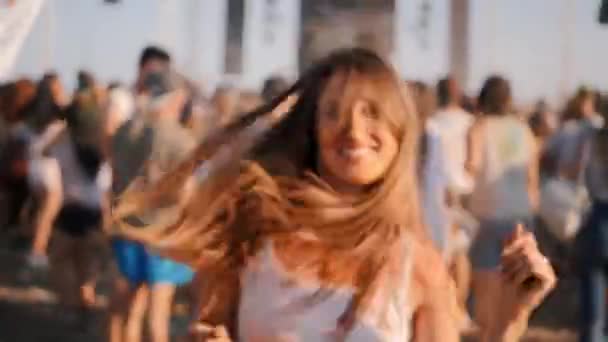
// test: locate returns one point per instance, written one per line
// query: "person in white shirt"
(451, 123)
(72, 181)
(433, 180)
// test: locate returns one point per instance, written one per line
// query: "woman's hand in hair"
(206, 333)
(284, 107)
(527, 279)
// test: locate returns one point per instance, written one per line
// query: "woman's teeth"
(353, 153)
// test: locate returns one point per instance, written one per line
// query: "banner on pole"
(16, 20)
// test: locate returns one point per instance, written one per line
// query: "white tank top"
(272, 308)
(501, 185)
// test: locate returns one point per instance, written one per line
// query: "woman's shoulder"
(429, 266)
(432, 286)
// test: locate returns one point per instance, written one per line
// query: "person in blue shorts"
(142, 149)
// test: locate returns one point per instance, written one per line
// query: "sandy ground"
(31, 313)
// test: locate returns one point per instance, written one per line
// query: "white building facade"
(546, 47)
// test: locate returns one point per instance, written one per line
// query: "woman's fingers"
(524, 261)
(221, 332)
(526, 269)
(517, 233)
(209, 333)
(519, 239)
(512, 266)
(285, 106)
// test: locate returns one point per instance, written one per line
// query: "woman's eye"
(332, 112)
(372, 112)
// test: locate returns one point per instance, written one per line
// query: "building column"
(209, 44)
(271, 40)
(459, 41)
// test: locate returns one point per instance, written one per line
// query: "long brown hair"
(495, 96)
(276, 193)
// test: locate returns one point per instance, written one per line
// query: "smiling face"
(357, 137)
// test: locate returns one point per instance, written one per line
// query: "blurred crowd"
(485, 166)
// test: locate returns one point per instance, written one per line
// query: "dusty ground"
(31, 314)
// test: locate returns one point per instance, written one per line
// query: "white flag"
(15, 23)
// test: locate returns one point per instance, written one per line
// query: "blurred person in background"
(433, 181)
(46, 106)
(591, 243)
(119, 109)
(16, 96)
(14, 102)
(78, 176)
(580, 119)
(503, 162)
(452, 124)
(80, 121)
(543, 123)
(469, 104)
(86, 116)
(195, 112)
(144, 148)
(152, 59)
(43, 126)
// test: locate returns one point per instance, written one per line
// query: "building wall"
(107, 39)
(546, 47)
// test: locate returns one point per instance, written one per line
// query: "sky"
(545, 47)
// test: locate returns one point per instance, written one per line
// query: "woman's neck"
(338, 185)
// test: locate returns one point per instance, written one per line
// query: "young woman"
(42, 127)
(504, 165)
(314, 234)
(71, 185)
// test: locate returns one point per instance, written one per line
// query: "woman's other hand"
(527, 274)
(208, 333)
(527, 278)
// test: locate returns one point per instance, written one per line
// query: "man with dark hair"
(152, 53)
(152, 59)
